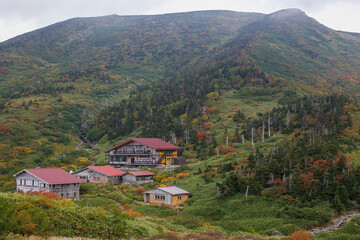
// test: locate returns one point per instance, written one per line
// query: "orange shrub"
(159, 178)
(52, 195)
(140, 191)
(301, 235)
(168, 179)
(133, 213)
(226, 149)
(181, 175)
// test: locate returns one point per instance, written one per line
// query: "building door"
(147, 197)
(132, 160)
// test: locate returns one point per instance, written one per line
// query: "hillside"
(290, 45)
(262, 104)
(98, 48)
(56, 77)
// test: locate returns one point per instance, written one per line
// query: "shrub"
(190, 222)
(235, 226)
(301, 235)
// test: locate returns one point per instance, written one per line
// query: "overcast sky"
(21, 16)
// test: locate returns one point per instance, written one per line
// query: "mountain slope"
(165, 66)
(159, 43)
(290, 45)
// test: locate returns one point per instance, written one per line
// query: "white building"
(50, 180)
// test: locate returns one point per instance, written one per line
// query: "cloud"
(341, 16)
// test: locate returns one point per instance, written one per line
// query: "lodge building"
(49, 180)
(138, 177)
(142, 152)
(100, 174)
(166, 195)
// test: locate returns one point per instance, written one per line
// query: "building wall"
(130, 151)
(176, 200)
(69, 190)
(133, 154)
(26, 182)
(152, 199)
(168, 160)
(133, 180)
(66, 190)
(83, 175)
(96, 177)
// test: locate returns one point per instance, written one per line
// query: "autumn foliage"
(301, 235)
(182, 175)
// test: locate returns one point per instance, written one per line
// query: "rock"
(277, 233)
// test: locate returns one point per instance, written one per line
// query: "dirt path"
(337, 223)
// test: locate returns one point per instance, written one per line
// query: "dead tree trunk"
(187, 136)
(288, 119)
(252, 138)
(173, 137)
(269, 122)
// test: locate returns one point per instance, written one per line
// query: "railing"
(117, 162)
(132, 152)
(134, 163)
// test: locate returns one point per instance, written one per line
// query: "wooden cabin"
(100, 174)
(50, 180)
(166, 195)
(142, 152)
(138, 177)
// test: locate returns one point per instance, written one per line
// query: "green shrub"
(235, 226)
(95, 202)
(190, 222)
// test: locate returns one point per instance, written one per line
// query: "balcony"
(132, 153)
(135, 163)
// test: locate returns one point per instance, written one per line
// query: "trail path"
(338, 224)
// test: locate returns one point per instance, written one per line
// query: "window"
(179, 197)
(159, 197)
(28, 182)
(43, 185)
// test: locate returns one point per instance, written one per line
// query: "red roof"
(154, 143)
(107, 170)
(52, 175)
(140, 173)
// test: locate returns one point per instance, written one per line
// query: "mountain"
(263, 106)
(118, 72)
(90, 47)
(293, 46)
(286, 44)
